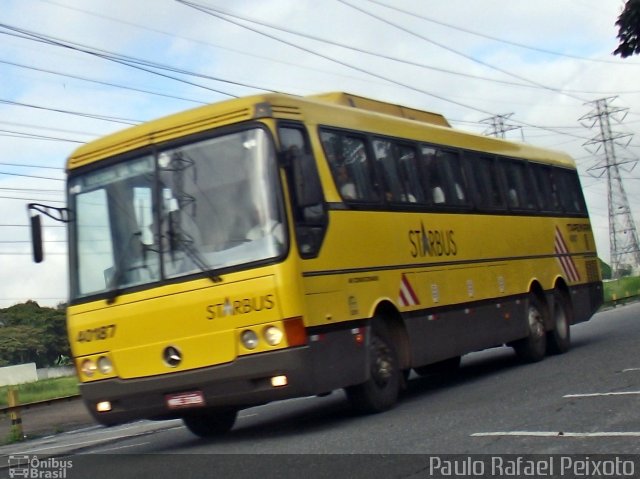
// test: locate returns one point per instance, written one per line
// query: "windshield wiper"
(177, 238)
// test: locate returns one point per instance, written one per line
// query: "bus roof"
(326, 109)
(360, 102)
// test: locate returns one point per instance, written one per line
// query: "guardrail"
(621, 290)
(44, 402)
(14, 408)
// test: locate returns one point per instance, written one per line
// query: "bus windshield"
(205, 206)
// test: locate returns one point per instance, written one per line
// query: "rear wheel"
(211, 423)
(534, 347)
(559, 339)
(380, 392)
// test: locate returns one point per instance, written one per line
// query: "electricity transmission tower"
(623, 237)
(498, 126)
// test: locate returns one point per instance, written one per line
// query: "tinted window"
(519, 187)
(442, 176)
(390, 179)
(350, 165)
(398, 171)
(570, 191)
(307, 200)
(485, 180)
(548, 193)
(408, 170)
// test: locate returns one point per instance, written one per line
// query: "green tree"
(606, 270)
(629, 30)
(31, 333)
(20, 344)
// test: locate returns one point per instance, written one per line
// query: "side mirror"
(36, 239)
(307, 183)
(59, 214)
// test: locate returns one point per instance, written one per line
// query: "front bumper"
(243, 383)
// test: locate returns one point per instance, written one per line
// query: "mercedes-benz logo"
(172, 356)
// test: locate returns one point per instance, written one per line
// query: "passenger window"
(520, 195)
(391, 187)
(570, 191)
(546, 188)
(454, 177)
(485, 179)
(408, 170)
(443, 177)
(432, 177)
(350, 165)
(394, 172)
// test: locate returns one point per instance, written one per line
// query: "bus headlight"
(104, 365)
(88, 368)
(272, 335)
(249, 339)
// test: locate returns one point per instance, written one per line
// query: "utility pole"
(498, 126)
(623, 237)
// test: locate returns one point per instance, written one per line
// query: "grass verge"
(41, 390)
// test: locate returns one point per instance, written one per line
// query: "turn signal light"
(295, 331)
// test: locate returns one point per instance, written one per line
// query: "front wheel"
(211, 423)
(380, 392)
(534, 347)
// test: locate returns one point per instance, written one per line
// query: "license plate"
(185, 400)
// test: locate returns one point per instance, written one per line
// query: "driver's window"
(309, 211)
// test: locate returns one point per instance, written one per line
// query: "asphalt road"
(583, 402)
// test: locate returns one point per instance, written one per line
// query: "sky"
(74, 70)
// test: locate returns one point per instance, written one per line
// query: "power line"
(223, 16)
(29, 226)
(41, 127)
(358, 49)
(29, 241)
(132, 62)
(33, 136)
(502, 40)
(94, 116)
(173, 35)
(30, 176)
(100, 82)
(24, 165)
(457, 52)
(39, 190)
(20, 253)
(30, 199)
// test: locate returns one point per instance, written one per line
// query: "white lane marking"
(557, 434)
(628, 370)
(65, 445)
(101, 451)
(618, 393)
(109, 437)
(244, 416)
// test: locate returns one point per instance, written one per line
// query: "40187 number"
(96, 334)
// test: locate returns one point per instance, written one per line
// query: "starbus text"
(240, 306)
(432, 243)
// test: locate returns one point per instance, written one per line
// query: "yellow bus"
(278, 246)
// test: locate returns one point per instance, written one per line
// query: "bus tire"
(212, 423)
(559, 339)
(533, 348)
(380, 392)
